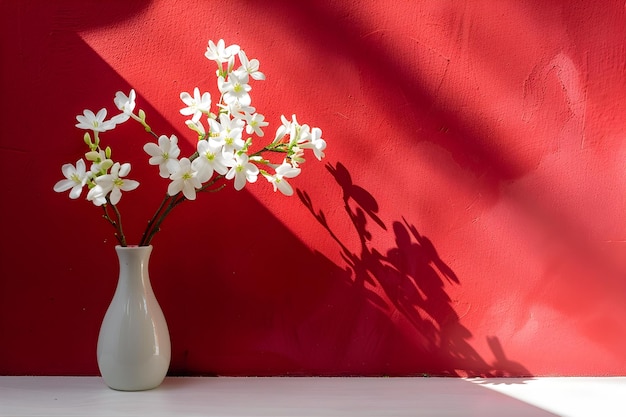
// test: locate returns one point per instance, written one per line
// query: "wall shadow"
(226, 316)
(410, 278)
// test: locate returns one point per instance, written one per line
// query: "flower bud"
(88, 142)
(92, 156)
(106, 164)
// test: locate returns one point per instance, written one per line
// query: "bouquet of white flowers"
(222, 152)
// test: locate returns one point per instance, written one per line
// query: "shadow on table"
(345, 396)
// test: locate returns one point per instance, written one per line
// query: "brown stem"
(155, 226)
(153, 223)
(111, 221)
(167, 205)
(117, 223)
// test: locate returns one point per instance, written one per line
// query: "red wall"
(473, 191)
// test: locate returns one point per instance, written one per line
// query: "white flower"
(250, 67)
(95, 122)
(220, 53)
(285, 170)
(254, 123)
(296, 156)
(236, 88)
(197, 127)
(184, 179)
(124, 103)
(75, 178)
(100, 164)
(285, 128)
(299, 134)
(242, 170)
(215, 129)
(164, 155)
(196, 105)
(237, 110)
(228, 132)
(97, 195)
(209, 159)
(316, 143)
(113, 183)
(224, 147)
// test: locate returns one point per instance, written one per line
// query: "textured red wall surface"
(473, 191)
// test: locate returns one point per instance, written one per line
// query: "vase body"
(134, 344)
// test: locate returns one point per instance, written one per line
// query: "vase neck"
(133, 263)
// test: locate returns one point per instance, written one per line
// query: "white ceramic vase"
(134, 343)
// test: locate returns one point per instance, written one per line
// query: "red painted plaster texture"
(472, 191)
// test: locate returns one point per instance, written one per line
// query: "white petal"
(124, 169)
(174, 187)
(240, 182)
(164, 172)
(115, 196)
(172, 165)
(68, 170)
(129, 185)
(76, 191)
(189, 191)
(101, 114)
(156, 160)
(164, 143)
(285, 188)
(152, 149)
(186, 98)
(120, 118)
(80, 167)
(63, 185)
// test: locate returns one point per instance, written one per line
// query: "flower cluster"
(223, 150)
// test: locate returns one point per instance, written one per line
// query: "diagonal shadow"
(258, 315)
(351, 38)
(410, 278)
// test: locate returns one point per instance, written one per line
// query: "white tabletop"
(294, 397)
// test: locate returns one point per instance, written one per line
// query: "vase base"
(133, 389)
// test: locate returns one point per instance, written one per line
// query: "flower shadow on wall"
(410, 278)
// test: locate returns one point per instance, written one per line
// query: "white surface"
(294, 397)
(570, 396)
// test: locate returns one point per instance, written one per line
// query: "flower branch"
(221, 152)
(117, 223)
